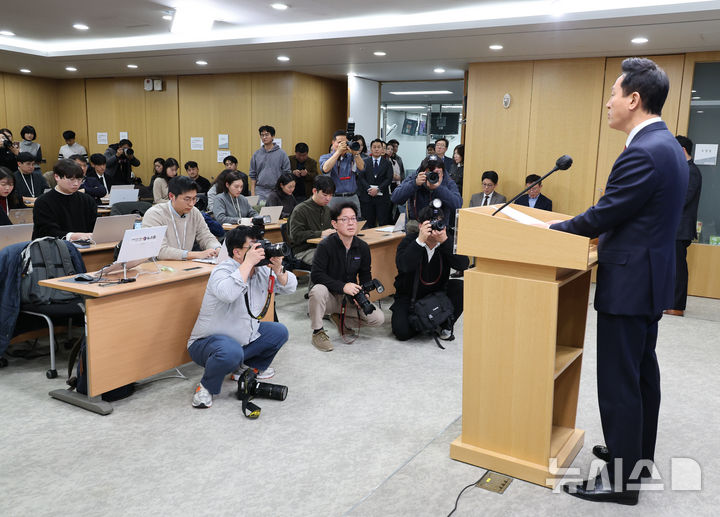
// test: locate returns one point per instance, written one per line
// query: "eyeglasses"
(188, 199)
(265, 134)
(347, 220)
(488, 184)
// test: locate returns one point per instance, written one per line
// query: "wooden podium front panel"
(508, 364)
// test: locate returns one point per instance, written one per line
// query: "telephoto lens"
(265, 390)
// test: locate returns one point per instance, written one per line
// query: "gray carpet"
(365, 431)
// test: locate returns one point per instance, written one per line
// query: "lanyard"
(181, 244)
(31, 187)
(236, 204)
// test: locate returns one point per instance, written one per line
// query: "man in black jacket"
(340, 260)
(426, 258)
(374, 186)
(687, 229)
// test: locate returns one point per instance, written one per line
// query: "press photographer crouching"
(424, 260)
(228, 332)
(340, 260)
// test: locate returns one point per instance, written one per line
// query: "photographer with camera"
(419, 189)
(341, 259)
(424, 260)
(120, 161)
(228, 331)
(8, 150)
(341, 164)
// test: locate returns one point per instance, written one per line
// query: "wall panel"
(497, 138)
(3, 115)
(564, 119)
(72, 110)
(162, 126)
(271, 104)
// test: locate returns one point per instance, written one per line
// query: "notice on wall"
(123, 135)
(221, 155)
(197, 143)
(223, 141)
(706, 154)
(102, 138)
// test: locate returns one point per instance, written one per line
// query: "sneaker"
(445, 335)
(321, 341)
(202, 398)
(237, 373)
(266, 374)
(335, 317)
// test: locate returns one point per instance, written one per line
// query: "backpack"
(79, 381)
(43, 259)
(431, 312)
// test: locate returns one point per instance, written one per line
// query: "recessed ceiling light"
(7, 33)
(283, 58)
(167, 17)
(71, 69)
(132, 66)
(696, 98)
(80, 27)
(439, 70)
(380, 53)
(201, 62)
(405, 107)
(279, 7)
(426, 92)
(25, 70)
(495, 47)
(699, 111)
(639, 41)
(693, 91)
(351, 74)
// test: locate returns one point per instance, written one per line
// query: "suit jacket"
(687, 229)
(109, 180)
(636, 220)
(368, 177)
(542, 203)
(495, 199)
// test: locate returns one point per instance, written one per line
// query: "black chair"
(130, 207)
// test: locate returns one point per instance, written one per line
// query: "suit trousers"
(376, 211)
(401, 327)
(681, 275)
(628, 379)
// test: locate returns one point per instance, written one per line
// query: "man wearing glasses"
(185, 224)
(534, 199)
(341, 259)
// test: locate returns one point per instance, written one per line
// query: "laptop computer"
(21, 215)
(398, 227)
(122, 187)
(119, 195)
(221, 257)
(15, 233)
(112, 228)
(273, 211)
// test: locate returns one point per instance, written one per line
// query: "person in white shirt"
(71, 147)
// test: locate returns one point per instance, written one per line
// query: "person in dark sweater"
(28, 181)
(91, 186)
(64, 212)
(193, 172)
(341, 267)
(282, 194)
(428, 253)
(311, 219)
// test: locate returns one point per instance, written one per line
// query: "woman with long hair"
(160, 187)
(230, 205)
(9, 198)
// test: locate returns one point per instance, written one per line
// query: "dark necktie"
(375, 167)
(486, 201)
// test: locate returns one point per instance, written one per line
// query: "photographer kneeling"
(423, 261)
(339, 260)
(228, 331)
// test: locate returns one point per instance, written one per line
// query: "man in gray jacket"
(267, 164)
(227, 332)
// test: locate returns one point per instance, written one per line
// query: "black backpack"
(79, 381)
(43, 259)
(430, 313)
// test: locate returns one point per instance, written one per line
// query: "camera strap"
(270, 289)
(254, 409)
(343, 310)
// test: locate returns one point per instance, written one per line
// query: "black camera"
(361, 297)
(431, 176)
(7, 144)
(350, 133)
(128, 151)
(279, 249)
(249, 388)
(437, 222)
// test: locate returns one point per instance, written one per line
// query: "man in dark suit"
(534, 199)
(374, 186)
(687, 230)
(636, 220)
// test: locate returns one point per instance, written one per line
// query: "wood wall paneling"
(210, 105)
(564, 120)
(3, 115)
(611, 141)
(72, 111)
(271, 104)
(497, 138)
(161, 127)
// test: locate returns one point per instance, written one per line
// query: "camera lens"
(265, 390)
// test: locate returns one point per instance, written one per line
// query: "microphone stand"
(556, 168)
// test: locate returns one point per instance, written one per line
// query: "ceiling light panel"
(423, 92)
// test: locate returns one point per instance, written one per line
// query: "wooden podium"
(526, 303)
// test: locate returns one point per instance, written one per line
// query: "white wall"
(364, 103)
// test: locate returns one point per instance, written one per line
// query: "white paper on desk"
(519, 216)
(197, 143)
(221, 155)
(102, 138)
(223, 141)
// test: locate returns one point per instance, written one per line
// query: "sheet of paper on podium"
(519, 216)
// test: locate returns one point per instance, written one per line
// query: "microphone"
(561, 164)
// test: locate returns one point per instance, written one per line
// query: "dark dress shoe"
(674, 312)
(598, 492)
(602, 452)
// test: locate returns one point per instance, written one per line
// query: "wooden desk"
(383, 248)
(272, 231)
(98, 255)
(138, 329)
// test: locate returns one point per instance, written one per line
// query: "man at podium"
(636, 220)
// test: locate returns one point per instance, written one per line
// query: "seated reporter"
(227, 332)
(341, 260)
(185, 224)
(230, 205)
(425, 257)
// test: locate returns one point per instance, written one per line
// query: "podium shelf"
(559, 437)
(564, 356)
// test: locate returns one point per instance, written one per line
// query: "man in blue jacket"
(636, 220)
